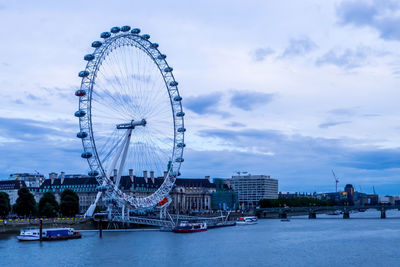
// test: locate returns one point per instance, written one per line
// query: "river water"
(363, 240)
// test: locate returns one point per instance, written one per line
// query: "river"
(363, 240)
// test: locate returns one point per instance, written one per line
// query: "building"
(188, 195)
(86, 188)
(349, 189)
(11, 188)
(296, 194)
(30, 179)
(389, 199)
(253, 188)
(224, 198)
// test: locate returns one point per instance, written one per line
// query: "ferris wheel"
(130, 116)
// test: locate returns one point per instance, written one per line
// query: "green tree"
(25, 204)
(48, 205)
(69, 203)
(5, 205)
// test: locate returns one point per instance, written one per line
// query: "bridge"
(312, 211)
(166, 223)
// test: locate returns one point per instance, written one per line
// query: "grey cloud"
(28, 145)
(261, 53)
(205, 104)
(299, 47)
(382, 16)
(347, 59)
(343, 111)
(332, 123)
(248, 100)
(236, 124)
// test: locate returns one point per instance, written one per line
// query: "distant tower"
(349, 189)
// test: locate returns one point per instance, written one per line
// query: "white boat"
(30, 234)
(246, 220)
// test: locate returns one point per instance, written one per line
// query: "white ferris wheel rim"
(120, 37)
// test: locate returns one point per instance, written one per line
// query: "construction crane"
(336, 179)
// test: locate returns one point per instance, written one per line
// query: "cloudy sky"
(290, 89)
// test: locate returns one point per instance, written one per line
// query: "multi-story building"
(224, 198)
(188, 195)
(11, 187)
(30, 179)
(86, 188)
(253, 188)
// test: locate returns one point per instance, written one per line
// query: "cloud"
(296, 150)
(247, 100)
(205, 104)
(299, 47)
(28, 145)
(374, 160)
(382, 16)
(33, 97)
(332, 123)
(261, 53)
(347, 59)
(236, 124)
(343, 111)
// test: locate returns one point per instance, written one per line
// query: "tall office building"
(253, 188)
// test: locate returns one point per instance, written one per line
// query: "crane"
(336, 179)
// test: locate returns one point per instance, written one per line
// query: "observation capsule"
(135, 31)
(162, 56)
(125, 28)
(82, 134)
(86, 155)
(93, 173)
(173, 83)
(115, 29)
(180, 114)
(83, 73)
(181, 145)
(168, 69)
(154, 45)
(181, 130)
(88, 57)
(105, 35)
(96, 44)
(146, 36)
(80, 113)
(179, 160)
(177, 98)
(80, 92)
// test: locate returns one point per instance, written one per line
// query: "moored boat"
(186, 227)
(33, 234)
(29, 234)
(246, 220)
(61, 234)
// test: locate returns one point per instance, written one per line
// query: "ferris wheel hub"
(132, 124)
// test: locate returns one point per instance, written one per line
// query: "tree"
(25, 204)
(48, 205)
(69, 203)
(5, 205)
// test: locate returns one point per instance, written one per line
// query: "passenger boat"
(186, 227)
(29, 234)
(246, 220)
(33, 234)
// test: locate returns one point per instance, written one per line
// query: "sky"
(290, 89)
